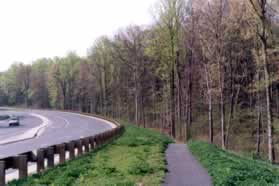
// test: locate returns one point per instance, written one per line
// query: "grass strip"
(226, 168)
(136, 158)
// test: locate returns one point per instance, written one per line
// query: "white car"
(13, 121)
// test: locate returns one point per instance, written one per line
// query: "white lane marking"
(65, 120)
(41, 129)
(112, 125)
(33, 132)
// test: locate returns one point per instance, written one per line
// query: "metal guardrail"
(82, 146)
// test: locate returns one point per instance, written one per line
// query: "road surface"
(41, 129)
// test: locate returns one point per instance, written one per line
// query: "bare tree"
(260, 9)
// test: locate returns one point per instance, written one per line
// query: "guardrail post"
(106, 137)
(2, 173)
(97, 141)
(40, 160)
(71, 148)
(50, 157)
(79, 147)
(101, 139)
(92, 142)
(111, 134)
(62, 154)
(86, 144)
(21, 164)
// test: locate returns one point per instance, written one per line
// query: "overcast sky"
(31, 29)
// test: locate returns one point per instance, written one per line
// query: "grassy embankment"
(229, 169)
(135, 158)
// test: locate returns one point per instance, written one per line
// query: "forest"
(203, 69)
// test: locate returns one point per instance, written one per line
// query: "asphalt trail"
(184, 169)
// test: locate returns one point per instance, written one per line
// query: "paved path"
(184, 169)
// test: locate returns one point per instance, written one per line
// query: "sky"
(32, 29)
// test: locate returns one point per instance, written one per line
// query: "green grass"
(229, 169)
(134, 158)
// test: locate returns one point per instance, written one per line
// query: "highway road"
(41, 129)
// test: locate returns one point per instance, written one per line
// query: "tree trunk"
(179, 107)
(172, 100)
(222, 105)
(189, 110)
(230, 118)
(105, 94)
(231, 114)
(190, 90)
(259, 129)
(210, 119)
(271, 155)
(263, 35)
(136, 107)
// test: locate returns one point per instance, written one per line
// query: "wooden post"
(2, 173)
(79, 147)
(111, 135)
(86, 144)
(92, 142)
(100, 140)
(103, 138)
(50, 157)
(71, 148)
(97, 141)
(61, 151)
(21, 164)
(107, 136)
(40, 160)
